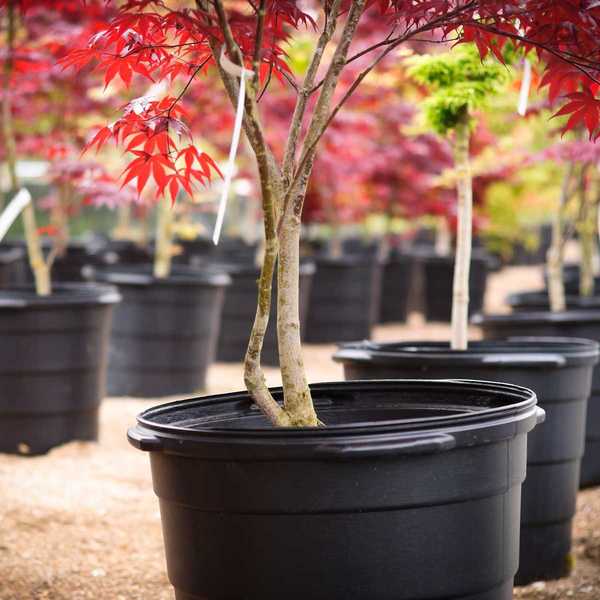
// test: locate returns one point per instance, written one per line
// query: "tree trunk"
(443, 239)
(555, 257)
(587, 238)
(462, 264)
(164, 239)
(122, 230)
(40, 270)
(298, 401)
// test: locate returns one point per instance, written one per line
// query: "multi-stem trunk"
(587, 237)
(164, 239)
(555, 256)
(298, 402)
(462, 265)
(40, 270)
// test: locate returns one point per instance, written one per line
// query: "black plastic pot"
(201, 251)
(52, 365)
(570, 323)
(117, 252)
(539, 301)
(395, 288)
(344, 299)
(438, 280)
(560, 372)
(12, 266)
(164, 332)
(412, 491)
(240, 309)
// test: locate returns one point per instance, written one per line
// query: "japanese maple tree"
(42, 105)
(161, 41)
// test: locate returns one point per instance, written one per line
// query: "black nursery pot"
(164, 333)
(13, 264)
(239, 311)
(539, 301)
(396, 285)
(560, 372)
(52, 365)
(344, 299)
(571, 323)
(411, 491)
(438, 276)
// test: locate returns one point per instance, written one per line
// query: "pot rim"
(63, 294)
(540, 298)
(514, 351)
(142, 276)
(539, 316)
(473, 425)
(307, 267)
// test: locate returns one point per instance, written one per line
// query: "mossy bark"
(41, 272)
(462, 263)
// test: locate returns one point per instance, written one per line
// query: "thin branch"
(304, 92)
(260, 30)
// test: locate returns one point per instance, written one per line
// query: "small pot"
(53, 365)
(240, 309)
(570, 323)
(438, 282)
(411, 491)
(560, 371)
(344, 299)
(396, 285)
(164, 332)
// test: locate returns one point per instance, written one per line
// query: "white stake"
(13, 210)
(235, 71)
(525, 88)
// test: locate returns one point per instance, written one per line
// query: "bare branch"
(260, 30)
(305, 91)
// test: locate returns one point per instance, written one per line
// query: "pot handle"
(142, 440)
(526, 360)
(540, 414)
(424, 444)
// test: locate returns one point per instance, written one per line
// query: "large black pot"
(438, 277)
(539, 301)
(240, 309)
(560, 372)
(118, 252)
(202, 251)
(52, 365)
(344, 299)
(571, 323)
(164, 332)
(412, 491)
(396, 286)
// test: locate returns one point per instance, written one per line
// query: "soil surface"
(82, 522)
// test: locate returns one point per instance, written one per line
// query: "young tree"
(157, 41)
(460, 82)
(44, 102)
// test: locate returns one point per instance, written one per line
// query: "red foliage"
(150, 40)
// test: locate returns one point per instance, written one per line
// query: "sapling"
(245, 42)
(39, 266)
(459, 83)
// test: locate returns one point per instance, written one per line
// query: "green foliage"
(459, 82)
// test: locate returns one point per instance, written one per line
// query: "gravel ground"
(82, 522)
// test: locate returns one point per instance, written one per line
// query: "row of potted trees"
(405, 488)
